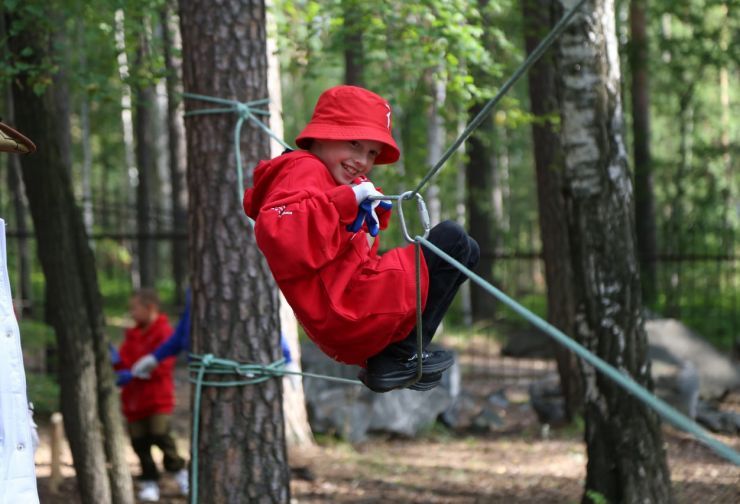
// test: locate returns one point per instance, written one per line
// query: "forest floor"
(515, 464)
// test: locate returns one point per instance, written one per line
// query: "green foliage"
(43, 392)
(35, 335)
(596, 497)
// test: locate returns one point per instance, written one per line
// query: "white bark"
(128, 133)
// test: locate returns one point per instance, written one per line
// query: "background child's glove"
(123, 377)
(143, 367)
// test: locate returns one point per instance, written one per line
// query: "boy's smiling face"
(346, 159)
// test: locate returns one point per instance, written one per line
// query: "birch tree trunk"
(297, 429)
(539, 16)
(626, 458)
(128, 140)
(235, 301)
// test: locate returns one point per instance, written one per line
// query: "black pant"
(444, 282)
(154, 431)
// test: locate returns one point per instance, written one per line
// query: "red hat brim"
(313, 130)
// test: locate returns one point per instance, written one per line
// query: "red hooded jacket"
(351, 301)
(144, 398)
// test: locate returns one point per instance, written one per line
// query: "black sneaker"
(385, 373)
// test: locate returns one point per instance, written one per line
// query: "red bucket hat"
(352, 113)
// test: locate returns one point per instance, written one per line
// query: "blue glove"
(115, 357)
(366, 213)
(123, 377)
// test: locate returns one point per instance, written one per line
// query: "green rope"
(478, 119)
(621, 378)
(244, 374)
(246, 111)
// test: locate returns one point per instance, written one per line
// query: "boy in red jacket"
(359, 307)
(148, 404)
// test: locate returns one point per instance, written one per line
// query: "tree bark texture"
(644, 195)
(539, 16)
(177, 158)
(626, 459)
(242, 451)
(89, 400)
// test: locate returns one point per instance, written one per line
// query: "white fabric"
(17, 471)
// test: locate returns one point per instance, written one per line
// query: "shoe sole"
(427, 382)
(398, 379)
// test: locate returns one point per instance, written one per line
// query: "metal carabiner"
(423, 214)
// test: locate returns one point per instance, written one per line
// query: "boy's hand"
(143, 367)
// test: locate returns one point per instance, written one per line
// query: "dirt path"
(514, 465)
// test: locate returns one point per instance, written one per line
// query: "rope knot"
(207, 360)
(243, 110)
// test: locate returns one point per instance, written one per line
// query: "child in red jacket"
(359, 307)
(148, 404)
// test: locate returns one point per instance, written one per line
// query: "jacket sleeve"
(180, 339)
(305, 227)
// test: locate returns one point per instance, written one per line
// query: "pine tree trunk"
(20, 211)
(89, 399)
(644, 196)
(538, 18)
(146, 164)
(353, 50)
(242, 452)
(479, 176)
(177, 156)
(626, 458)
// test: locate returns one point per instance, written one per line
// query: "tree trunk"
(242, 453)
(146, 164)
(435, 139)
(353, 51)
(297, 429)
(479, 178)
(644, 196)
(626, 458)
(128, 141)
(548, 155)
(88, 393)
(479, 175)
(177, 156)
(20, 211)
